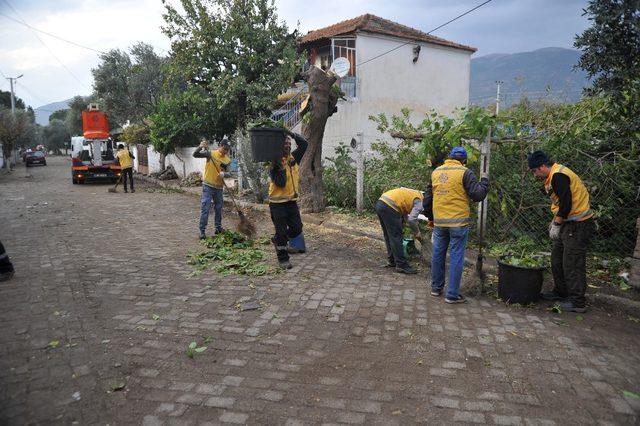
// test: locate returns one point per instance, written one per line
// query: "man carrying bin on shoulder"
(392, 208)
(452, 188)
(212, 182)
(284, 190)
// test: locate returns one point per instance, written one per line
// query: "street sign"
(341, 66)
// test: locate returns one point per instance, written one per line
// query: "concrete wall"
(182, 161)
(438, 80)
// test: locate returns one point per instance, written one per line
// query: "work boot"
(203, 236)
(133, 190)
(552, 296)
(570, 306)
(219, 231)
(409, 270)
(285, 264)
(125, 191)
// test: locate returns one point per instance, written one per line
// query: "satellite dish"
(341, 67)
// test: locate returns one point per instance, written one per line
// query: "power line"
(49, 34)
(47, 47)
(429, 32)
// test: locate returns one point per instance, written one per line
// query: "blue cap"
(458, 152)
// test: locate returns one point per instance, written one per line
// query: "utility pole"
(13, 96)
(359, 172)
(498, 96)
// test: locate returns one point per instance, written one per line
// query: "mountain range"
(549, 74)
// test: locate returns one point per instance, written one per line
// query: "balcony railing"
(348, 86)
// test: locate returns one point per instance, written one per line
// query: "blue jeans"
(443, 238)
(210, 195)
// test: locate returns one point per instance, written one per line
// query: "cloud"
(502, 26)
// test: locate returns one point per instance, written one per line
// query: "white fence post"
(360, 173)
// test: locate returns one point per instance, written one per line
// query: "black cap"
(120, 146)
(537, 159)
(224, 142)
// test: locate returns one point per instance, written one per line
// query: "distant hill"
(542, 74)
(43, 112)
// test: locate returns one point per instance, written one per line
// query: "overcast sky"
(54, 70)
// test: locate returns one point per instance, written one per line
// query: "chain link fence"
(518, 212)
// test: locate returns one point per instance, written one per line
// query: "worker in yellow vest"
(212, 182)
(452, 188)
(392, 208)
(284, 190)
(125, 159)
(570, 229)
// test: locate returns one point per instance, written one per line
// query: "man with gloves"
(447, 200)
(392, 208)
(571, 230)
(212, 182)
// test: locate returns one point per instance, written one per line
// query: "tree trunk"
(162, 162)
(322, 101)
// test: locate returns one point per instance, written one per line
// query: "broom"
(115, 188)
(244, 226)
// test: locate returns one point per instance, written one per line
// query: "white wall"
(438, 80)
(183, 162)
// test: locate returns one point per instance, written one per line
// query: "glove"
(430, 225)
(554, 230)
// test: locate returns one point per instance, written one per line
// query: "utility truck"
(93, 153)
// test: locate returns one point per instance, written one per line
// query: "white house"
(392, 66)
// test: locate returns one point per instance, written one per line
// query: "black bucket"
(267, 143)
(517, 284)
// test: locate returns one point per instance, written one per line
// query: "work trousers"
(391, 222)
(287, 223)
(128, 172)
(211, 196)
(569, 260)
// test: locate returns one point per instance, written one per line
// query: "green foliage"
(266, 122)
(238, 51)
(181, 118)
(55, 135)
(60, 114)
(16, 130)
(231, 253)
(611, 46)
(136, 134)
(193, 349)
(5, 100)
(129, 85)
(73, 119)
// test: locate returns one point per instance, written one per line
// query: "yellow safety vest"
(401, 199)
(291, 189)
(450, 200)
(580, 207)
(212, 169)
(124, 159)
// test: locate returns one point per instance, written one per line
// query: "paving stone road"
(339, 340)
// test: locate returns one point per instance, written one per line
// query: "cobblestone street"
(339, 340)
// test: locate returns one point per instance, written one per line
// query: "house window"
(345, 48)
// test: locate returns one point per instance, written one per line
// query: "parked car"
(35, 157)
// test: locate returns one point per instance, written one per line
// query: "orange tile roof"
(374, 24)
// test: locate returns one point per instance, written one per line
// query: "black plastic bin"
(517, 284)
(267, 143)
